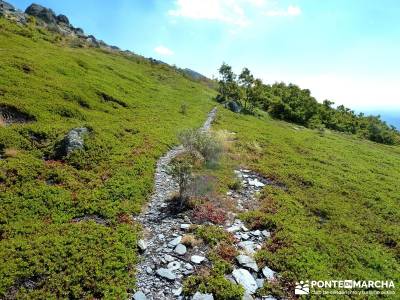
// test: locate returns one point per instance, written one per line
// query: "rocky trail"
(166, 261)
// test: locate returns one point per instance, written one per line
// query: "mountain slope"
(338, 217)
(66, 230)
(66, 227)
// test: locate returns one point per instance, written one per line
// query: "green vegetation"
(180, 169)
(293, 104)
(66, 227)
(132, 110)
(212, 234)
(218, 285)
(339, 216)
(202, 144)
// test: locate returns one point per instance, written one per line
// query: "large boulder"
(93, 41)
(43, 13)
(79, 32)
(63, 19)
(233, 106)
(4, 6)
(74, 140)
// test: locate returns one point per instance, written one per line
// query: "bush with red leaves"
(209, 212)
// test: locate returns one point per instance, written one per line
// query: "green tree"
(246, 82)
(227, 86)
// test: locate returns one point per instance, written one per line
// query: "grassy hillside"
(338, 218)
(131, 108)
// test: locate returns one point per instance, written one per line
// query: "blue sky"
(346, 51)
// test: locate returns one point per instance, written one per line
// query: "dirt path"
(165, 261)
(162, 233)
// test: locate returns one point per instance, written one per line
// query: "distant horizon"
(390, 117)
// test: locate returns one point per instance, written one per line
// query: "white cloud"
(234, 12)
(257, 2)
(164, 51)
(291, 11)
(227, 11)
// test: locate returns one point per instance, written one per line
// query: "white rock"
(256, 183)
(188, 266)
(256, 233)
(185, 226)
(248, 262)
(268, 273)
(149, 270)
(166, 273)
(246, 296)
(142, 245)
(260, 282)
(180, 249)
(175, 242)
(169, 258)
(233, 228)
(139, 295)
(200, 296)
(244, 278)
(248, 246)
(174, 265)
(197, 259)
(187, 272)
(266, 233)
(177, 292)
(244, 236)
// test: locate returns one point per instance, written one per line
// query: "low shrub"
(226, 251)
(180, 168)
(212, 234)
(197, 141)
(209, 212)
(258, 220)
(201, 186)
(235, 185)
(218, 285)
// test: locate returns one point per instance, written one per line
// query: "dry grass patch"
(10, 152)
(189, 240)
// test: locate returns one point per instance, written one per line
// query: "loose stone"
(268, 273)
(244, 278)
(197, 259)
(175, 242)
(166, 273)
(185, 226)
(174, 265)
(180, 249)
(200, 296)
(248, 262)
(139, 295)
